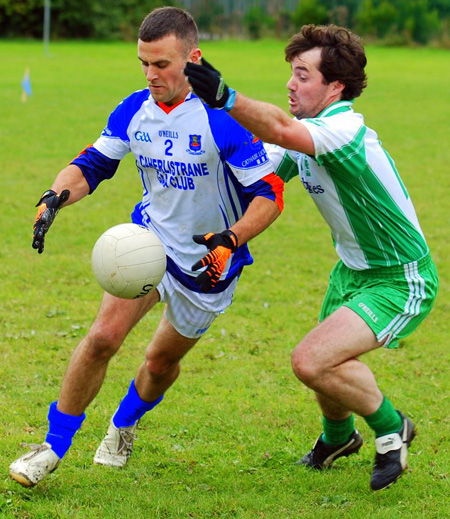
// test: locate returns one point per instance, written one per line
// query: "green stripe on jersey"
(287, 169)
(384, 233)
(348, 160)
(396, 172)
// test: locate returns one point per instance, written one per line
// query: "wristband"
(231, 100)
(232, 238)
(45, 195)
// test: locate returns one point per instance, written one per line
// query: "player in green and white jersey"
(385, 282)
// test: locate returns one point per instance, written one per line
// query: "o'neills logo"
(369, 312)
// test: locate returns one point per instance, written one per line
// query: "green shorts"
(393, 300)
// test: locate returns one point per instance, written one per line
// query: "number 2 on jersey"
(169, 146)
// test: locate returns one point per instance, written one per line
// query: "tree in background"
(209, 16)
(283, 24)
(78, 19)
(422, 23)
(399, 21)
(388, 21)
(255, 19)
(376, 20)
(21, 18)
(72, 19)
(310, 11)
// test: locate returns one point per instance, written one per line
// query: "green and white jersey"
(357, 188)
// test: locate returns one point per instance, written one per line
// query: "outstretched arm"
(271, 124)
(71, 178)
(68, 187)
(266, 121)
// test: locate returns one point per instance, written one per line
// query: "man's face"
(308, 93)
(163, 62)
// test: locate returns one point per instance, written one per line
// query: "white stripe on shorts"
(412, 307)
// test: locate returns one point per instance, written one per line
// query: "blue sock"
(62, 428)
(132, 408)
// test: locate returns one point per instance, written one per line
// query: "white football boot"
(116, 446)
(34, 466)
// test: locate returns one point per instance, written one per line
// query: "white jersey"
(198, 168)
(356, 187)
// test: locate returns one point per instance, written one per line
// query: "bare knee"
(102, 341)
(306, 368)
(161, 367)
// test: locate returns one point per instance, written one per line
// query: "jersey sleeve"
(242, 151)
(100, 161)
(339, 144)
(114, 142)
(95, 166)
(271, 186)
(284, 163)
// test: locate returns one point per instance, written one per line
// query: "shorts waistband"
(189, 281)
(389, 272)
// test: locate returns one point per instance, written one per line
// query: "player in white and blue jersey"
(199, 169)
(385, 282)
(207, 184)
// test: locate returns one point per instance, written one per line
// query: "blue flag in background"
(26, 85)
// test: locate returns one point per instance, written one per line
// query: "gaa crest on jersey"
(195, 145)
(142, 136)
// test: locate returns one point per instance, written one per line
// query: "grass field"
(224, 442)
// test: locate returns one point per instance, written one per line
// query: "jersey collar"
(168, 109)
(336, 108)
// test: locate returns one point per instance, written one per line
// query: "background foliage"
(390, 21)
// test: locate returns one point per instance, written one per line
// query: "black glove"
(48, 207)
(221, 247)
(208, 84)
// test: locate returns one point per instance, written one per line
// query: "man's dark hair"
(342, 53)
(164, 21)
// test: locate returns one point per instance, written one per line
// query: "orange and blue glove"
(48, 207)
(221, 247)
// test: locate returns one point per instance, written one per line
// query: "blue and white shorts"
(192, 313)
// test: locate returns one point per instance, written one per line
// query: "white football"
(128, 260)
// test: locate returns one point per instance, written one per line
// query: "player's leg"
(187, 317)
(338, 423)
(162, 361)
(155, 375)
(326, 361)
(392, 302)
(81, 383)
(89, 362)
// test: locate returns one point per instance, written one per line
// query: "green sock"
(336, 432)
(385, 420)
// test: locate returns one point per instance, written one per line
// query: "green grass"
(224, 442)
